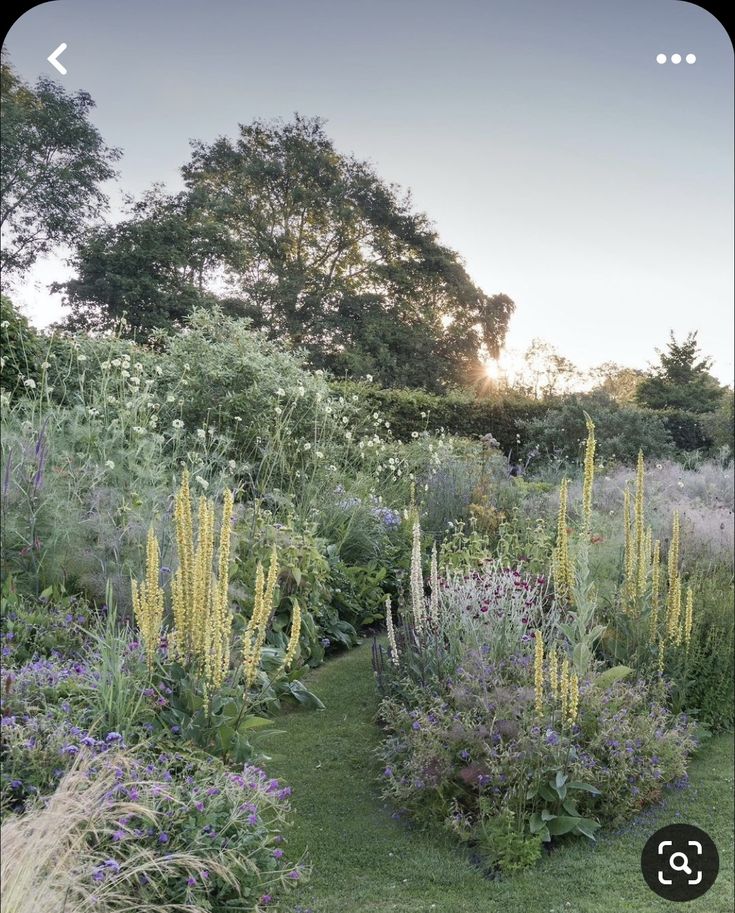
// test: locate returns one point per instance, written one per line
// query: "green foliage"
(373, 302)
(503, 844)
(53, 161)
(688, 430)
(459, 413)
(20, 348)
(720, 424)
(37, 626)
(681, 381)
(621, 431)
(554, 796)
(147, 268)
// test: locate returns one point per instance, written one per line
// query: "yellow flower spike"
(417, 581)
(673, 611)
(538, 671)
(640, 534)
(434, 601)
(562, 570)
(392, 645)
(554, 672)
(629, 555)
(589, 472)
(655, 588)
(573, 700)
(148, 600)
(674, 547)
(293, 641)
(564, 688)
(688, 616)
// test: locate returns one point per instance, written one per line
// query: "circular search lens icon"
(684, 867)
(680, 862)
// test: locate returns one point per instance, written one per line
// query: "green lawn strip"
(363, 859)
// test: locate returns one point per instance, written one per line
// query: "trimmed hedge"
(410, 410)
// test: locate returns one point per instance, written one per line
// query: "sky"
(567, 167)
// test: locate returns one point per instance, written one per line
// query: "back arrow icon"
(52, 59)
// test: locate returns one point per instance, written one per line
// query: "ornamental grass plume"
(589, 472)
(263, 605)
(51, 852)
(538, 672)
(148, 601)
(392, 645)
(562, 570)
(202, 620)
(417, 581)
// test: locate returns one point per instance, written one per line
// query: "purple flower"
(277, 854)
(113, 737)
(295, 874)
(163, 837)
(266, 899)
(191, 881)
(416, 726)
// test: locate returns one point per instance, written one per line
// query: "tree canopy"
(52, 161)
(310, 244)
(681, 379)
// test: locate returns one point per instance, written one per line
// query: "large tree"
(321, 252)
(681, 379)
(52, 161)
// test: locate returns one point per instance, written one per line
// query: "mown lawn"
(364, 859)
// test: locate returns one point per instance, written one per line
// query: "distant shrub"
(458, 413)
(688, 430)
(621, 431)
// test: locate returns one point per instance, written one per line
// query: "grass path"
(364, 860)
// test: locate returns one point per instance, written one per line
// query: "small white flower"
(30, 383)
(232, 464)
(301, 390)
(159, 370)
(110, 464)
(319, 454)
(125, 373)
(138, 430)
(203, 482)
(423, 415)
(135, 381)
(116, 362)
(307, 446)
(369, 378)
(5, 324)
(414, 434)
(280, 392)
(201, 433)
(177, 423)
(278, 410)
(81, 357)
(238, 418)
(344, 420)
(376, 415)
(348, 435)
